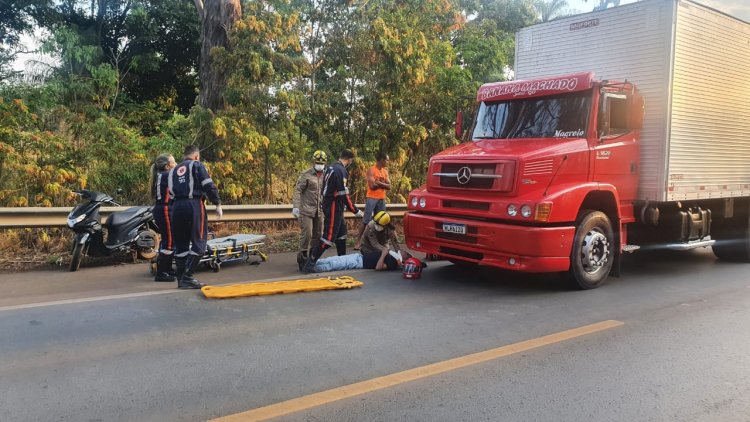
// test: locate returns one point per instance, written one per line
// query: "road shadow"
(495, 280)
(641, 267)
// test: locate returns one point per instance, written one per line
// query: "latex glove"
(295, 212)
(359, 214)
(219, 212)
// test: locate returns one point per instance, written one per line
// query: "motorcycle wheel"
(150, 253)
(76, 256)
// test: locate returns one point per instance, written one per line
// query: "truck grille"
(473, 176)
(497, 176)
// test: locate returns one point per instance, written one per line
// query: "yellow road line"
(363, 387)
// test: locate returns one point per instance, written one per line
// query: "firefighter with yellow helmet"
(380, 235)
(307, 203)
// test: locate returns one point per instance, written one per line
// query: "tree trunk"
(218, 17)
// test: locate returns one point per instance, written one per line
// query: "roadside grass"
(49, 248)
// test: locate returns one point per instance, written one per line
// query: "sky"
(737, 8)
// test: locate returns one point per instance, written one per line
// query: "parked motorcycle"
(131, 230)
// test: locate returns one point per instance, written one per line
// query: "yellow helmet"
(382, 218)
(320, 157)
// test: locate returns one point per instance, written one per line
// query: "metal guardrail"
(28, 217)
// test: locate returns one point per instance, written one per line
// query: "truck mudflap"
(512, 247)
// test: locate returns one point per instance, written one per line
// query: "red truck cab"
(545, 181)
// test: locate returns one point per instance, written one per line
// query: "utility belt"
(338, 199)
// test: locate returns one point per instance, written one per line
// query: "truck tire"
(591, 258)
(732, 237)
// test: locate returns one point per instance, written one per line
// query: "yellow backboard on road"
(278, 287)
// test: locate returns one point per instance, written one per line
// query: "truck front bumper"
(513, 247)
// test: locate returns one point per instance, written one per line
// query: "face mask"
(379, 228)
(319, 167)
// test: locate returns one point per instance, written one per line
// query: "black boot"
(312, 258)
(309, 266)
(164, 268)
(187, 281)
(341, 247)
(180, 264)
(301, 259)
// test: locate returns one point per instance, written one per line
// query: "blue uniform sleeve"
(207, 185)
(343, 191)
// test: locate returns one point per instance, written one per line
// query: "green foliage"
(35, 167)
(302, 75)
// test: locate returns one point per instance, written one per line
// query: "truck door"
(616, 151)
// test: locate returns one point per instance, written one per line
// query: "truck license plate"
(454, 228)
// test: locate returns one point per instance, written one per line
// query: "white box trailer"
(691, 63)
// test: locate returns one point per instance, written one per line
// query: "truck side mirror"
(637, 107)
(459, 124)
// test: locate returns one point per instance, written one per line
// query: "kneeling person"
(380, 235)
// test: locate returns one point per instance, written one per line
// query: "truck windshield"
(563, 116)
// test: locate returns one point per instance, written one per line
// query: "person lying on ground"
(378, 261)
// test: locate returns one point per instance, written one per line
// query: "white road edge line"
(139, 294)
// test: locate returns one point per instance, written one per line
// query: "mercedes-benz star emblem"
(464, 175)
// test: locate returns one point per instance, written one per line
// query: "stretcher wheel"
(215, 266)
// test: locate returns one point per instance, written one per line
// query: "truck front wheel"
(591, 258)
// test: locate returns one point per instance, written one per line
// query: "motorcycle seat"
(121, 217)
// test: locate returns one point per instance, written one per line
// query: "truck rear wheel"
(591, 258)
(732, 237)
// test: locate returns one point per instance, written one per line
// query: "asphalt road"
(107, 344)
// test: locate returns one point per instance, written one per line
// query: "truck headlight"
(526, 211)
(512, 210)
(422, 202)
(414, 201)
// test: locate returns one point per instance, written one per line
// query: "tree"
(164, 43)
(16, 18)
(551, 9)
(262, 102)
(217, 18)
(486, 43)
(604, 4)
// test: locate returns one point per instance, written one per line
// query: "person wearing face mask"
(162, 211)
(378, 234)
(335, 201)
(307, 203)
